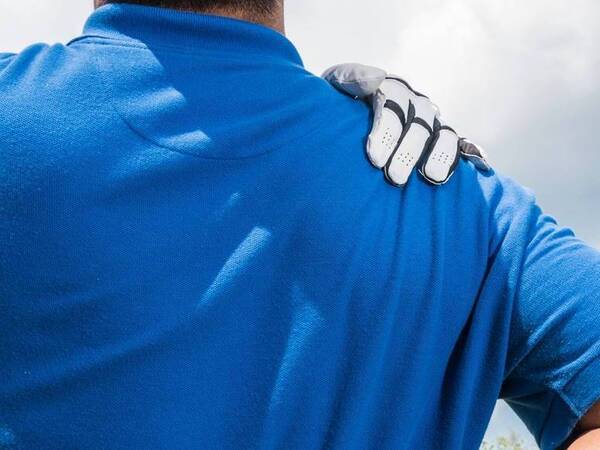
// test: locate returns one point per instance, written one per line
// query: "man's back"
(196, 255)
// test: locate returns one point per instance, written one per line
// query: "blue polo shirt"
(196, 254)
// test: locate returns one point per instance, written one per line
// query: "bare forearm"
(586, 435)
(587, 441)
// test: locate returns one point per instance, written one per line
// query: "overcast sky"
(521, 78)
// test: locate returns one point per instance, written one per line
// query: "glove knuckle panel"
(425, 110)
(397, 92)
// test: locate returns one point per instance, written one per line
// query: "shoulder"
(38, 59)
(37, 80)
(510, 208)
(40, 69)
(50, 105)
(45, 90)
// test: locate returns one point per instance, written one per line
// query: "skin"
(587, 441)
(587, 433)
(274, 20)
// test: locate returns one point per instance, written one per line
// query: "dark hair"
(250, 6)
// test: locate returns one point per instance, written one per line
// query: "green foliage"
(511, 442)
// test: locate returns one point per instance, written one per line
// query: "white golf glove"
(407, 129)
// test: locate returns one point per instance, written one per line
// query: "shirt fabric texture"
(195, 253)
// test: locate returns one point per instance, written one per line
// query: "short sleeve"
(552, 374)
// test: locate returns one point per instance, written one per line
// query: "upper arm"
(552, 375)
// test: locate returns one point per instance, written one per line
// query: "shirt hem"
(556, 429)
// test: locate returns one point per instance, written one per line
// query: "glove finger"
(356, 80)
(474, 153)
(442, 156)
(408, 154)
(388, 123)
(391, 104)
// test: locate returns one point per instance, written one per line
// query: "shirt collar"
(190, 31)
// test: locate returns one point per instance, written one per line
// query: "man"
(196, 254)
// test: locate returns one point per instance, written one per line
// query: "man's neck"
(274, 20)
